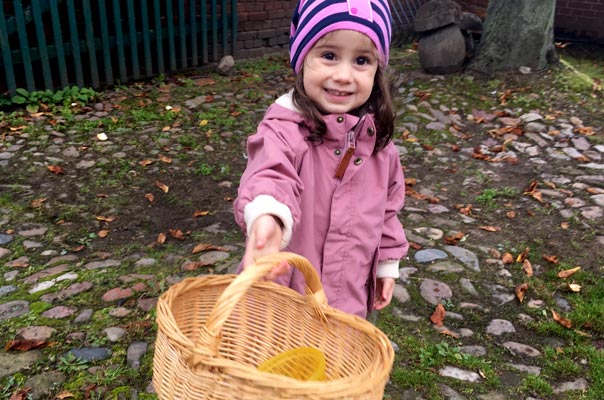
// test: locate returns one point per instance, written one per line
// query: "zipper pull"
(348, 152)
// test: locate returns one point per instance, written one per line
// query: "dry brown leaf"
(551, 258)
(574, 287)
(161, 238)
(145, 162)
(63, 395)
(24, 345)
(194, 265)
(507, 258)
(166, 128)
(199, 213)
(150, 197)
(454, 239)
(55, 169)
(511, 214)
(521, 291)
(206, 246)
(162, 186)
(568, 272)
(103, 233)
(204, 81)
(450, 333)
(490, 228)
(37, 203)
(21, 394)
(565, 225)
(594, 190)
(561, 320)
(165, 159)
(438, 315)
(527, 267)
(176, 234)
(105, 219)
(522, 256)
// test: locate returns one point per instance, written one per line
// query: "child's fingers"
(280, 269)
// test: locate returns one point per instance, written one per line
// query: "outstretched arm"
(265, 238)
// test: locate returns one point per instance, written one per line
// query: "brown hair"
(379, 103)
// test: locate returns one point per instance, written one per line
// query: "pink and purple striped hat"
(313, 19)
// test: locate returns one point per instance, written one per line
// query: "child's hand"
(265, 238)
(383, 292)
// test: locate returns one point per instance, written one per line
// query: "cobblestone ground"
(79, 283)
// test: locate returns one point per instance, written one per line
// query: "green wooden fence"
(50, 44)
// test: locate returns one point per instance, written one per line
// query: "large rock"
(437, 14)
(442, 51)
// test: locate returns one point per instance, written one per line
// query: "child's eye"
(329, 56)
(363, 61)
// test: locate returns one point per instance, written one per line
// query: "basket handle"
(211, 332)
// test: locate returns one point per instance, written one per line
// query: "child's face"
(339, 70)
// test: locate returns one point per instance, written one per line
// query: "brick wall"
(263, 26)
(576, 18)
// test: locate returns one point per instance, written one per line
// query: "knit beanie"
(313, 19)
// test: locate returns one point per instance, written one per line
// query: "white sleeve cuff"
(388, 269)
(265, 204)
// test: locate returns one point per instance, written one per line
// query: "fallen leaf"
(594, 190)
(507, 258)
(166, 128)
(521, 291)
(574, 287)
(165, 159)
(79, 248)
(176, 234)
(205, 247)
(561, 320)
(105, 219)
(565, 225)
(454, 239)
(450, 333)
(101, 136)
(103, 233)
(415, 246)
(550, 258)
(438, 315)
(467, 210)
(527, 267)
(522, 256)
(490, 228)
(511, 214)
(145, 162)
(162, 186)
(568, 272)
(21, 394)
(161, 238)
(37, 203)
(194, 265)
(198, 213)
(63, 395)
(25, 345)
(55, 169)
(150, 197)
(204, 81)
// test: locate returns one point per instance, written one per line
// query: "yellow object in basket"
(302, 363)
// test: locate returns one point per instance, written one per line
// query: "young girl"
(323, 178)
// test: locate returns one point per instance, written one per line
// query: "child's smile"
(339, 71)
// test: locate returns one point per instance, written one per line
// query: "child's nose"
(343, 72)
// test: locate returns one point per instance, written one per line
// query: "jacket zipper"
(348, 152)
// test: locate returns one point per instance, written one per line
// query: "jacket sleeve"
(393, 244)
(270, 183)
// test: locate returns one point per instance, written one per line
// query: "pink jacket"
(348, 228)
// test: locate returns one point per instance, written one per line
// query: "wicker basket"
(213, 332)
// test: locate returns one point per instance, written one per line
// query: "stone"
(436, 14)
(401, 294)
(442, 51)
(44, 385)
(11, 362)
(84, 316)
(102, 264)
(135, 352)
(467, 257)
(429, 255)
(434, 291)
(522, 349)
(5, 238)
(59, 312)
(91, 353)
(117, 294)
(579, 384)
(36, 332)
(460, 374)
(498, 327)
(225, 65)
(13, 309)
(114, 333)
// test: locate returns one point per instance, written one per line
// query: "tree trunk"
(517, 33)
